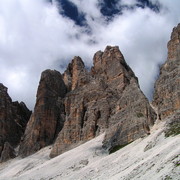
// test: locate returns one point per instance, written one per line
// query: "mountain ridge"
(107, 98)
(79, 105)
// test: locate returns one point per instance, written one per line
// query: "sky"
(46, 34)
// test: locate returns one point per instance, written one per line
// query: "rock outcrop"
(106, 98)
(167, 87)
(13, 119)
(77, 106)
(75, 75)
(7, 153)
(48, 117)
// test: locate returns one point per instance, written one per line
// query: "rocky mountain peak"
(3, 88)
(13, 119)
(174, 44)
(75, 75)
(111, 65)
(48, 118)
(79, 105)
(101, 59)
(51, 85)
(109, 99)
(167, 86)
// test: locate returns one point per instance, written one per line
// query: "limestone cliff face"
(13, 119)
(106, 98)
(167, 87)
(48, 117)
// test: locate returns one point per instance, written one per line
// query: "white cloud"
(129, 2)
(34, 37)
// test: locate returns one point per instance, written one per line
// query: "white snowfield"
(151, 158)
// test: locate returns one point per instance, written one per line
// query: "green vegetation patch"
(116, 148)
(167, 177)
(139, 114)
(173, 130)
(177, 164)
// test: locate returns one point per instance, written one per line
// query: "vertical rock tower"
(167, 86)
(48, 118)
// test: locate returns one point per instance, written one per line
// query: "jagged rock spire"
(110, 99)
(13, 119)
(167, 86)
(75, 74)
(48, 117)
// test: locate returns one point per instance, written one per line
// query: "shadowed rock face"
(13, 119)
(167, 87)
(7, 153)
(48, 117)
(107, 97)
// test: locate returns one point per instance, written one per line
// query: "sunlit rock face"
(13, 119)
(107, 98)
(167, 87)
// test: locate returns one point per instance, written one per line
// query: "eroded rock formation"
(13, 119)
(48, 117)
(77, 106)
(75, 75)
(167, 87)
(7, 153)
(107, 97)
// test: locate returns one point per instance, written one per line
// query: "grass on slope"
(173, 130)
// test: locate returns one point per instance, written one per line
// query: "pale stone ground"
(88, 161)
